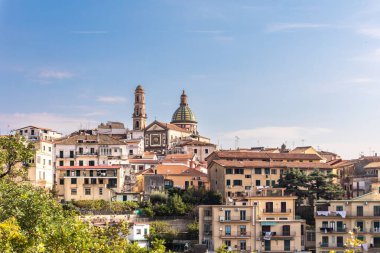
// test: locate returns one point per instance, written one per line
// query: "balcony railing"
(324, 245)
(236, 234)
(208, 232)
(234, 219)
(286, 210)
(280, 234)
(86, 153)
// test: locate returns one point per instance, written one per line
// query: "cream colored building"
(90, 182)
(335, 218)
(41, 170)
(236, 179)
(264, 221)
(91, 166)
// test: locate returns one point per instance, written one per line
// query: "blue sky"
(300, 72)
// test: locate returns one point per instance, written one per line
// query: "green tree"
(321, 186)
(176, 204)
(295, 182)
(15, 154)
(222, 249)
(193, 230)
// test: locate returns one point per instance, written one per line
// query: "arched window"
(137, 99)
(137, 125)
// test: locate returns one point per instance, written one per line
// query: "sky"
(269, 72)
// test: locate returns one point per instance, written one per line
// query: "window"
(49, 149)
(71, 153)
(247, 176)
(71, 163)
(228, 171)
(206, 151)
(228, 182)
(138, 231)
(267, 182)
(60, 163)
(360, 225)
(273, 183)
(77, 173)
(273, 171)
(227, 243)
(257, 171)
(242, 215)
(269, 207)
(325, 241)
(80, 151)
(92, 150)
(91, 163)
(73, 191)
(339, 241)
(283, 207)
(73, 181)
(239, 171)
(100, 191)
(286, 230)
(61, 181)
(61, 154)
(227, 229)
(238, 182)
(339, 208)
(101, 181)
(86, 181)
(243, 245)
(227, 215)
(287, 245)
(258, 183)
(80, 163)
(131, 151)
(267, 171)
(145, 231)
(93, 180)
(310, 236)
(376, 211)
(195, 151)
(87, 191)
(359, 211)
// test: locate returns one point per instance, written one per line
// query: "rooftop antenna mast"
(237, 139)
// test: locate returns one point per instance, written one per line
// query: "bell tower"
(139, 114)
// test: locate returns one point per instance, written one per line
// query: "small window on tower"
(137, 125)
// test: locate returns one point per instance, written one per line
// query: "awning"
(268, 223)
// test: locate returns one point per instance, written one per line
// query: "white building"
(139, 233)
(41, 170)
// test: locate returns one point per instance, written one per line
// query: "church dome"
(183, 114)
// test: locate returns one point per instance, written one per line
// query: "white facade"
(32, 133)
(139, 233)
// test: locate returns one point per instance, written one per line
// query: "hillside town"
(254, 199)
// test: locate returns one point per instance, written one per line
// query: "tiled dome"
(183, 114)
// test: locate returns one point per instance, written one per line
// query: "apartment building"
(236, 179)
(264, 221)
(90, 166)
(335, 218)
(41, 170)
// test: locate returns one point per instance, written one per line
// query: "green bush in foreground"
(32, 221)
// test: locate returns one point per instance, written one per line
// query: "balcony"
(86, 153)
(240, 249)
(236, 235)
(277, 211)
(234, 219)
(324, 245)
(207, 232)
(280, 235)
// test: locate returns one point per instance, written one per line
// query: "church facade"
(162, 137)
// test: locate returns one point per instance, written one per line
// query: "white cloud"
(112, 99)
(373, 56)
(361, 80)
(54, 74)
(60, 123)
(294, 26)
(370, 31)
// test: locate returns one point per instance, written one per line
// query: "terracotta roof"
(300, 149)
(149, 161)
(179, 170)
(179, 156)
(42, 128)
(102, 167)
(168, 126)
(373, 165)
(195, 143)
(262, 164)
(100, 139)
(233, 154)
(133, 141)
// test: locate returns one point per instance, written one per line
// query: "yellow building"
(90, 182)
(335, 218)
(264, 221)
(236, 179)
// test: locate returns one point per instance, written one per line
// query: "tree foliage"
(32, 221)
(317, 185)
(15, 154)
